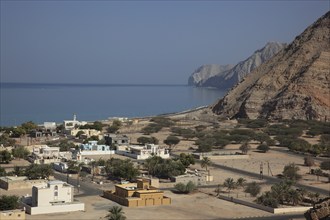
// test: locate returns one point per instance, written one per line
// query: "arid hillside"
(295, 84)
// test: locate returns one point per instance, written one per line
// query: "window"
(55, 193)
(56, 187)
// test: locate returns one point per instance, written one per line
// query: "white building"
(71, 124)
(57, 196)
(92, 149)
(143, 152)
(42, 154)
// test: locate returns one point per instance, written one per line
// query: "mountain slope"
(293, 84)
(200, 75)
(237, 73)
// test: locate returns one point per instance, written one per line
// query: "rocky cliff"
(226, 76)
(205, 72)
(239, 71)
(293, 84)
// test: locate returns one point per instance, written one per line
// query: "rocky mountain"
(295, 83)
(238, 72)
(200, 75)
(227, 76)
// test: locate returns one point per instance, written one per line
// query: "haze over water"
(58, 102)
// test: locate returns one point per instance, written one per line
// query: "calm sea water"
(58, 102)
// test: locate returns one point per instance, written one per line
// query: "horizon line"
(91, 84)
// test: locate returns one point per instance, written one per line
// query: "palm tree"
(116, 213)
(240, 182)
(205, 163)
(294, 196)
(230, 184)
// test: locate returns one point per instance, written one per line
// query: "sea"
(40, 102)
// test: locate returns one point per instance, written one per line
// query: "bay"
(21, 102)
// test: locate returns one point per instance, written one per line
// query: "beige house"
(57, 196)
(15, 214)
(87, 132)
(137, 194)
(19, 182)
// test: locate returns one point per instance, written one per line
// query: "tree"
(205, 163)
(240, 182)
(171, 141)
(325, 165)
(8, 202)
(20, 152)
(230, 184)
(79, 133)
(261, 137)
(186, 159)
(93, 164)
(318, 173)
(39, 171)
(2, 171)
(245, 147)
(5, 156)
(290, 171)
(147, 140)
(116, 124)
(185, 188)
(66, 146)
(18, 132)
(164, 168)
(309, 161)
(29, 126)
(122, 169)
(73, 166)
(294, 196)
(116, 213)
(263, 147)
(253, 188)
(268, 199)
(18, 171)
(6, 141)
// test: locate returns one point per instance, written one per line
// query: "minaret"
(74, 117)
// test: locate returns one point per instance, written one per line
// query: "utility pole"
(269, 169)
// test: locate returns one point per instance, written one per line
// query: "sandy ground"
(182, 207)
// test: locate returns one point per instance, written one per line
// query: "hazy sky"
(139, 41)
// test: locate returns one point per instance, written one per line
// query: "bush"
(185, 188)
(300, 145)
(267, 199)
(8, 202)
(263, 148)
(253, 189)
(147, 140)
(291, 172)
(325, 165)
(152, 128)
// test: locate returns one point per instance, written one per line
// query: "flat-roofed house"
(137, 194)
(57, 196)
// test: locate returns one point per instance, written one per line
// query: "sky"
(139, 42)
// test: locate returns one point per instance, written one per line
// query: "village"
(192, 165)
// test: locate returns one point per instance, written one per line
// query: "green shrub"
(263, 147)
(185, 188)
(253, 189)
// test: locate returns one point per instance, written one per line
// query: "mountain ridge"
(227, 78)
(294, 84)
